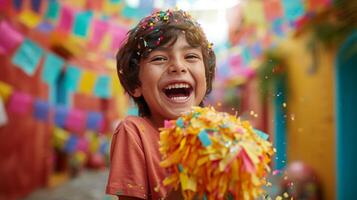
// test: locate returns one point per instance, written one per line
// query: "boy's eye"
(158, 59)
(192, 57)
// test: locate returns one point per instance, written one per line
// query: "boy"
(167, 66)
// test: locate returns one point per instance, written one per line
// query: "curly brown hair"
(154, 31)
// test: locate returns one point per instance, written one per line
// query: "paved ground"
(88, 186)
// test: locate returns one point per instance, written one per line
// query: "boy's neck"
(155, 122)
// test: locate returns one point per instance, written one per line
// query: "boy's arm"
(128, 198)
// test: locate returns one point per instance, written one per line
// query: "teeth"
(178, 98)
(177, 85)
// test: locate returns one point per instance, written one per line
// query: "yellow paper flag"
(87, 82)
(29, 18)
(5, 91)
(254, 12)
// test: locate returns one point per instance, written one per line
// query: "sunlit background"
(287, 66)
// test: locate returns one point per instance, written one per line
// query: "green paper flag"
(52, 10)
(52, 68)
(27, 57)
(81, 24)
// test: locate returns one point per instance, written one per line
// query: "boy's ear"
(137, 92)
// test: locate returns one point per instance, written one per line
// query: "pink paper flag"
(118, 36)
(75, 121)
(10, 38)
(20, 103)
(83, 144)
(235, 61)
(272, 9)
(100, 27)
(66, 19)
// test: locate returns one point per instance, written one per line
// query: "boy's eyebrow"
(186, 47)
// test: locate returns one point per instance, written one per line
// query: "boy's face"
(172, 80)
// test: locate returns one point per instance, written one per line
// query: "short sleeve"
(127, 175)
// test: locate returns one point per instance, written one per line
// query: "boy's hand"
(175, 195)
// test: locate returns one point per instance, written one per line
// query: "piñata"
(214, 155)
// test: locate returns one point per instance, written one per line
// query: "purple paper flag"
(94, 121)
(41, 110)
(61, 116)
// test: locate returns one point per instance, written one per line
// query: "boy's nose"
(177, 67)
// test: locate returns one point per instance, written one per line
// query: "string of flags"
(72, 119)
(83, 24)
(76, 132)
(250, 34)
(29, 54)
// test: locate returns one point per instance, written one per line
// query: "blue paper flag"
(102, 87)
(204, 138)
(41, 110)
(246, 56)
(45, 27)
(104, 147)
(35, 5)
(81, 23)
(72, 77)
(71, 144)
(277, 27)
(257, 49)
(17, 4)
(61, 116)
(52, 10)
(293, 9)
(130, 12)
(27, 56)
(133, 111)
(52, 68)
(94, 121)
(261, 134)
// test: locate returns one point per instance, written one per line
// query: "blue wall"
(346, 110)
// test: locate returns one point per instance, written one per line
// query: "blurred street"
(90, 185)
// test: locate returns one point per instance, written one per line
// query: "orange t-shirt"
(134, 161)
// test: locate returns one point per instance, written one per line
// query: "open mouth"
(178, 91)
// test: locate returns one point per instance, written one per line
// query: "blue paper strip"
(41, 110)
(180, 123)
(28, 56)
(204, 138)
(261, 134)
(52, 68)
